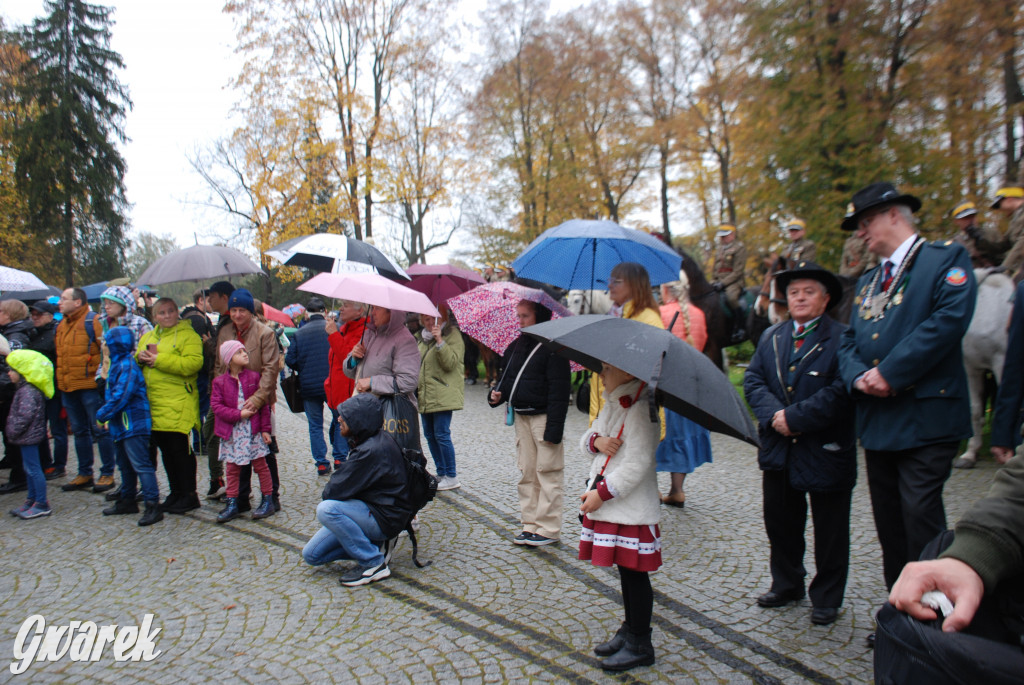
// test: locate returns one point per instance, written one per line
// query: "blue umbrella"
(581, 253)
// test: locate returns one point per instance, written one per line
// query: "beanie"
(242, 298)
(228, 348)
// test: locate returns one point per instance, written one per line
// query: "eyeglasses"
(866, 221)
(615, 281)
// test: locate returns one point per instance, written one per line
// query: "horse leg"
(976, 390)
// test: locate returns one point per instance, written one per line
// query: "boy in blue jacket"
(127, 411)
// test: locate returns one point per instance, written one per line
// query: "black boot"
(613, 645)
(265, 509)
(637, 651)
(152, 514)
(170, 502)
(230, 511)
(183, 504)
(122, 506)
(112, 496)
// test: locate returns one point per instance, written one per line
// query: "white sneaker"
(448, 483)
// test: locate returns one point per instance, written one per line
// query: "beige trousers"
(540, 487)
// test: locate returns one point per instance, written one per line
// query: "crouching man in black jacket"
(366, 501)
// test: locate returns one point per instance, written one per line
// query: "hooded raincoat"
(26, 422)
(126, 407)
(392, 359)
(171, 381)
(138, 325)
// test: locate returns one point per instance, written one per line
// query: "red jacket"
(338, 387)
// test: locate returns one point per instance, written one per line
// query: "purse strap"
(522, 368)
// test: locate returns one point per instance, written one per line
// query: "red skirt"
(637, 548)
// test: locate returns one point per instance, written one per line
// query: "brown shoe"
(79, 482)
(676, 500)
(103, 484)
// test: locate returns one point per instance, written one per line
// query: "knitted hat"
(228, 348)
(242, 298)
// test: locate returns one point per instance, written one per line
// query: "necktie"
(798, 338)
(887, 276)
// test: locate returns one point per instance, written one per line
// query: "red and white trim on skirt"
(637, 548)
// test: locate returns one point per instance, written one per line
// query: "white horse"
(984, 347)
(588, 301)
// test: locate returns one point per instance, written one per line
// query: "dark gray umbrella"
(30, 296)
(198, 263)
(683, 379)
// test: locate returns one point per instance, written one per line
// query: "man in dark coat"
(902, 363)
(366, 502)
(308, 355)
(805, 425)
(1008, 411)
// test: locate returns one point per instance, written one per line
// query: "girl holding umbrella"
(441, 390)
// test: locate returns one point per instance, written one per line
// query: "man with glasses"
(901, 361)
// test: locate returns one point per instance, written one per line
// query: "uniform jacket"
(224, 403)
(856, 259)
(374, 471)
(391, 359)
(730, 264)
(801, 250)
(1014, 260)
(823, 457)
(1009, 407)
(543, 386)
(126, 408)
(171, 381)
(916, 347)
(308, 354)
(984, 244)
(442, 386)
(77, 358)
(264, 357)
(338, 386)
(990, 536)
(630, 474)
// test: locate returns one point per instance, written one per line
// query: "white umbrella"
(16, 279)
(198, 263)
(337, 254)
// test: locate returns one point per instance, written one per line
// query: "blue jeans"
(33, 473)
(437, 429)
(133, 460)
(82, 406)
(314, 408)
(349, 532)
(59, 431)
(339, 443)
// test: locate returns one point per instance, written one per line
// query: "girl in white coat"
(621, 510)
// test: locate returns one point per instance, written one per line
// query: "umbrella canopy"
(293, 310)
(30, 296)
(488, 312)
(94, 290)
(370, 289)
(274, 314)
(16, 279)
(581, 253)
(683, 379)
(198, 263)
(336, 254)
(441, 282)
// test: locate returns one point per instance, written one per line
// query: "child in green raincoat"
(32, 373)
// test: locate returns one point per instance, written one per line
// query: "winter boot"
(184, 503)
(265, 509)
(613, 645)
(170, 502)
(637, 651)
(122, 506)
(152, 514)
(230, 511)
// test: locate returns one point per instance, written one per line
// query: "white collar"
(805, 325)
(900, 254)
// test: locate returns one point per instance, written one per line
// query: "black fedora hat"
(882, 193)
(815, 272)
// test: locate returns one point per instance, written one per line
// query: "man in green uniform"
(800, 248)
(728, 273)
(1010, 201)
(983, 244)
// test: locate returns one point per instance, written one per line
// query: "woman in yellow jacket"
(629, 288)
(171, 355)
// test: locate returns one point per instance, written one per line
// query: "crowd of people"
(182, 387)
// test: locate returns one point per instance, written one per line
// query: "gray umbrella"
(683, 379)
(198, 263)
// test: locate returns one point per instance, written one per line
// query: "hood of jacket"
(34, 368)
(120, 342)
(364, 416)
(122, 295)
(18, 333)
(394, 325)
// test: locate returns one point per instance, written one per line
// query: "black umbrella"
(683, 379)
(336, 254)
(30, 296)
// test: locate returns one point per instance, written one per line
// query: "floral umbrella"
(488, 312)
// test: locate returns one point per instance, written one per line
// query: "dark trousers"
(785, 519)
(179, 461)
(212, 443)
(637, 600)
(906, 499)
(245, 478)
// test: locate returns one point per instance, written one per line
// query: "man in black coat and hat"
(805, 425)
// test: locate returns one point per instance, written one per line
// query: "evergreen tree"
(68, 163)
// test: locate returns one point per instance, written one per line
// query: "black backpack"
(422, 487)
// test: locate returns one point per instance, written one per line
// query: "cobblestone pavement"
(236, 603)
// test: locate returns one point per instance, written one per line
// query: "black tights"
(637, 599)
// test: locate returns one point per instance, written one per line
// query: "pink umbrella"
(370, 289)
(441, 282)
(274, 314)
(488, 312)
